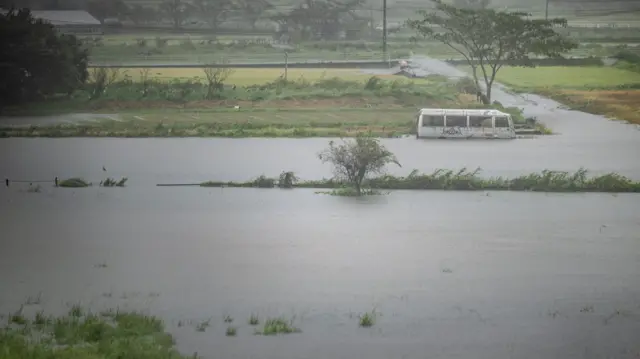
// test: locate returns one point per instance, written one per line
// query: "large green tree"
(35, 61)
(488, 39)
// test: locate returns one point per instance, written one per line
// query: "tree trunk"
(358, 189)
(487, 98)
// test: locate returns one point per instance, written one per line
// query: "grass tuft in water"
(74, 183)
(276, 326)
(368, 319)
(254, 320)
(231, 332)
(228, 319)
(85, 335)
(110, 182)
(76, 311)
(202, 326)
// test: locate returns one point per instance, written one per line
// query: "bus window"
(432, 121)
(456, 121)
(479, 121)
(502, 122)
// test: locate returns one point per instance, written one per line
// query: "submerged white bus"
(457, 123)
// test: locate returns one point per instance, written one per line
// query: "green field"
(609, 91)
(251, 77)
(573, 77)
(318, 122)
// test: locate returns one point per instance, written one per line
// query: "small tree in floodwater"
(355, 159)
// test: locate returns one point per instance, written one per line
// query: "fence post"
(286, 65)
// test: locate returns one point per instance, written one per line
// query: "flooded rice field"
(451, 274)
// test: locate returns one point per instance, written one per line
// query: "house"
(77, 22)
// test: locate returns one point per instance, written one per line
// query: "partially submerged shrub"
(74, 183)
(545, 181)
(275, 326)
(110, 182)
(287, 180)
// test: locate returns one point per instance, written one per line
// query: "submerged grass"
(74, 183)
(276, 326)
(110, 182)
(86, 335)
(368, 319)
(466, 180)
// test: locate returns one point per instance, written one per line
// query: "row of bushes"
(197, 88)
(545, 181)
(81, 183)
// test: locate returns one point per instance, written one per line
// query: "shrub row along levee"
(357, 161)
(545, 181)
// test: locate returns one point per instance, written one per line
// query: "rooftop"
(66, 17)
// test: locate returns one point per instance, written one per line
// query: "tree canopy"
(489, 39)
(36, 61)
(354, 160)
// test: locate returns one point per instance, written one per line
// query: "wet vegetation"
(467, 180)
(302, 107)
(74, 183)
(85, 335)
(254, 320)
(368, 319)
(276, 326)
(110, 182)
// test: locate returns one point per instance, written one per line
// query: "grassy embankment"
(546, 181)
(610, 91)
(315, 102)
(83, 335)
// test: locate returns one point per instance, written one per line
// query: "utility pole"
(384, 29)
(546, 11)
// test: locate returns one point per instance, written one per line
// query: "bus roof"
(462, 112)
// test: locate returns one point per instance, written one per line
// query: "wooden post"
(6, 182)
(286, 65)
(546, 11)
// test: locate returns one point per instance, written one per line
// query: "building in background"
(77, 22)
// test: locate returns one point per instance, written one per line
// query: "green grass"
(254, 320)
(86, 335)
(368, 319)
(566, 77)
(110, 182)
(231, 332)
(202, 326)
(465, 180)
(276, 326)
(74, 183)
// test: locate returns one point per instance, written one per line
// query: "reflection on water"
(454, 274)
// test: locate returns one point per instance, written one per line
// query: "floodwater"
(452, 274)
